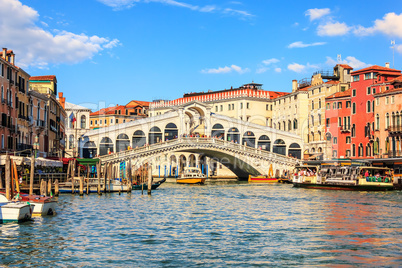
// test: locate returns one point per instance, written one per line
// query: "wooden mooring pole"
(150, 178)
(98, 170)
(31, 175)
(8, 176)
(56, 187)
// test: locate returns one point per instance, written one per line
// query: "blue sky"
(114, 51)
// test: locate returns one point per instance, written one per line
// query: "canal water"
(213, 225)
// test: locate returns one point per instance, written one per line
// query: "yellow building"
(56, 114)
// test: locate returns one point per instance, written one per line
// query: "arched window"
(353, 150)
(218, 131)
(122, 142)
(279, 147)
(249, 139)
(368, 150)
(105, 146)
(387, 121)
(71, 142)
(295, 124)
(155, 135)
(360, 150)
(289, 125)
(83, 122)
(335, 140)
(295, 150)
(171, 131)
(328, 136)
(138, 139)
(264, 143)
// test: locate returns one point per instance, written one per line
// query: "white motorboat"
(14, 211)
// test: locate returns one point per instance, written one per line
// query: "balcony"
(12, 129)
(394, 129)
(23, 146)
(40, 123)
(345, 128)
(305, 82)
(394, 154)
(327, 74)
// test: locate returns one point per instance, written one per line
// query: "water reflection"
(218, 224)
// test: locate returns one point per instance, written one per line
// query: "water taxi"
(191, 175)
(352, 178)
(262, 179)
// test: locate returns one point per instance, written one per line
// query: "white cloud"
(300, 44)
(299, 68)
(270, 61)
(124, 4)
(391, 25)
(316, 13)
(226, 69)
(261, 70)
(333, 29)
(36, 47)
(349, 60)
(278, 70)
(399, 48)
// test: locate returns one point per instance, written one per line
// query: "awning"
(40, 161)
(88, 161)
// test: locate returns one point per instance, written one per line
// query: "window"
(347, 153)
(339, 121)
(377, 122)
(343, 89)
(377, 101)
(111, 121)
(386, 100)
(392, 99)
(339, 105)
(248, 105)
(387, 121)
(373, 90)
(312, 120)
(312, 105)
(369, 106)
(353, 149)
(368, 90)
(319, 119)
(2, 141)
(334, 153)
(327, 122)
(229, 107)
(356, 78)
(348, 104)
(353, 130)
(266, 107)
(328, 106)
(221, 110)
(367, 76)
(117, 121)
(91, 122)
(348, 139)
(354, 108)
(319, 104)
(354, 93)
(334, 106)
(335, 140)
(241, 105)
(216, 108)
(96, 122)
(83, 122)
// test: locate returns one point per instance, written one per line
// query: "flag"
(72, 118)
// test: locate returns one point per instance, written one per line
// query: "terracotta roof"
(341, 94)
(345, 66)
(42, 78)
(275, 94)
(8, 52)
(397, 79)
(134, 103)
(375, 68)
(109, 110)
(333, 82)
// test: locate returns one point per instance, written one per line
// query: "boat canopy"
(88, 161)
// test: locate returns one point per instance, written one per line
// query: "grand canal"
(214, 225)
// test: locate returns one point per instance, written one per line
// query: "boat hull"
(15, 212)
(145, 185)
(262, 179)
(343, 187)
(44, 208)
(190, 180)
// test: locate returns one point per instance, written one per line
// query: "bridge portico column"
(181, 118)
(207, 118)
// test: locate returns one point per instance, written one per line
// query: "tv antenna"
(339, 58)
(393, 52)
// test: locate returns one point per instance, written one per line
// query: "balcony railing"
(394, 129)
(394, 154)
(23, 146)
(40, 123)
(345, 128)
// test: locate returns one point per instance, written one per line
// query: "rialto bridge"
(191, 135)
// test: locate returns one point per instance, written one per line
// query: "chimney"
(4, 52)
(387, 64)
(62, 100)
(294, 85)
(12, 60)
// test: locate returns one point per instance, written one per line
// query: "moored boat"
(191, 175)
(92, 184)
(44, 205)
(352, 178)
(262, 179)
(14, 211)
(145, 185)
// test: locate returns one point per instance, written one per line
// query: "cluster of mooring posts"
(46, 184)
(103, 181)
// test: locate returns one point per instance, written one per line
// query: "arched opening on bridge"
(295, 150)
(249, 139)
(264, 143)
(218, 131)
(139, 139)
(279, 147)
(233, 135)
(122, 142)
(182, 163)
(89, 149)
(203, 164)
(173, 166)
(171, 132)
(192, 161)
(155, 135)
(105, 146)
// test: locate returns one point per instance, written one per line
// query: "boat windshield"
(369, 172)
(306, 170)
